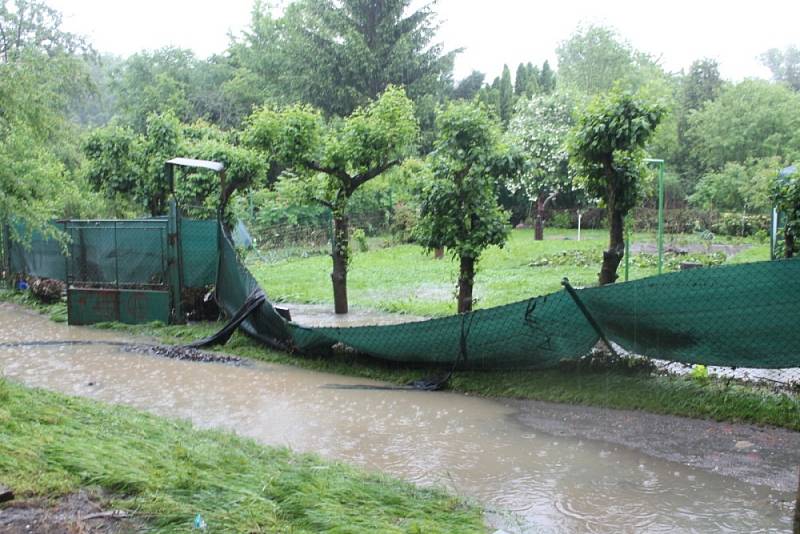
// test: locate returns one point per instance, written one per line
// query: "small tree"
(606, 152)
(787, 200)
(332, 161)
(460, 209)
(540, 127)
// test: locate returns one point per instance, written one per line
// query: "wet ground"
(690, 248)
(536, 467)
(79, 513)
(319, 315)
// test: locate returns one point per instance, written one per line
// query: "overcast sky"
(492, 32)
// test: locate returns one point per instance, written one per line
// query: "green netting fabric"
(118, 252)
(124, 252)
(735, 316)
(44, 257)
(199, 252)
(234, 285)
(533, 333)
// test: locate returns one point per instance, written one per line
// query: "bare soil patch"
(83, 512)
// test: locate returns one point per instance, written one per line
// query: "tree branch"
(314, 166)
(323, 202)
(365, 177)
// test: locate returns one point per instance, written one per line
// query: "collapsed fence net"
(734, 316)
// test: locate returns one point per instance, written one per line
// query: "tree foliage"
(739, 186)
(126, 166)
(606, 152)
(751, 119)
(784, 65)
(40, 71)
(331, 161)
(595, 58)
(460, 210)
(344, 53)
(787, 201)
(540, 127)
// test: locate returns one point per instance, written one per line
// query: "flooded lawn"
(528, 480)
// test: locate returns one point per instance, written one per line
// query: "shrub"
(560, 219)
(405, 220)
(360, 238)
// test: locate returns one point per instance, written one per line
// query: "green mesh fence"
(41, 256)
(199, 252)
(733, 316)
(117, 253)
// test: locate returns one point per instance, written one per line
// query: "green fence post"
(175, 263)
(660, 237)
(660, 216)
(627, 246)
(5, 253)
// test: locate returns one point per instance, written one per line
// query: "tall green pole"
(660, 215)
(660, 237)
(627, 246)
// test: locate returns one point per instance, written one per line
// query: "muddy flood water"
(529, 481)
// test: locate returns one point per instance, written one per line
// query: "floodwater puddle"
(529, 481)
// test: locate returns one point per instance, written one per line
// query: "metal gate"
(118, 270)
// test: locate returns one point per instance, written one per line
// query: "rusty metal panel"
(89, 306)
(137, 307)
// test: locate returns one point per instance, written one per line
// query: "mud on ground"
(759, 455)
(83, 512)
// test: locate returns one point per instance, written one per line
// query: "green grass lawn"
(405, 279)
(166, 472)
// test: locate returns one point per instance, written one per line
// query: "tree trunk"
(438, 253)
(788, 243)
(465, 280)
(339, 253)
(538, 227)
(616, 248)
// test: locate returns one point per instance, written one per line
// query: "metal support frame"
(585, 311)
(174, 231)
(175, 263)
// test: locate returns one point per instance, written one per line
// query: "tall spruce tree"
(506, 89)
(344, 53)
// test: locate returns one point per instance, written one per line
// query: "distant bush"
(560, 219)
(735, 224)
(360, 238)
(403, 224)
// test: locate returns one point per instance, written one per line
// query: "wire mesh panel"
(117, 253)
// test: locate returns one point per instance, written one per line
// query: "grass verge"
(166, 472)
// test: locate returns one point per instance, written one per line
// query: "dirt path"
(753, 454)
